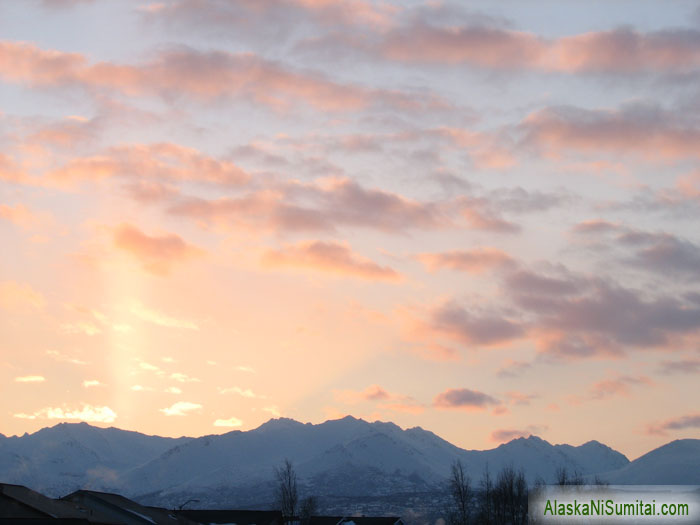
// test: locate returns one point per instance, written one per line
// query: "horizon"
(480, 220)
(307, 423)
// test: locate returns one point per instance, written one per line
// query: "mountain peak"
(280, 423)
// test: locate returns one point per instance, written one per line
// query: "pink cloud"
(330, 257)
(385, 400)
(627, 51)
(682, 423)
(156, 253)
(479, 46)
(504, 435)
(152, 163)
(20, 296)
(454, 322)
(645, 132)
(22, 216)
(203, 75)
(618, 386)
(319, 206)
(464, 399)
(474, 261)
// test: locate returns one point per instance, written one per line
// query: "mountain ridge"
(353, 456)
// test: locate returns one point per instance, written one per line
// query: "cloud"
(237, 390)
(577, 316)
(454, 322)
(23, 217)
(173, 390)
(371, 393)
(689, 421)
(181, 408)
(384, 399)
(479, 46)
(505, 435)
(87, 413)
(147, 167)
(620, 51)
(617, 386)
(332, 257)
(30, 379)
(161, 319)
(140, 388)
(156, 253)
(183, 378)
(58, 356)
(19, 296)
(206, 76)
(647, 132)
(512, 368)
(59, 4)
(683, 366)
(322, 206)
(243, 368)
(89, 383)
(464, 399)
(658, 252)
(81, 327)
(624, 51)
(230, 422)
(474, 261)
(520, 398)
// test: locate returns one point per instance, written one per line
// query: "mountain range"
(339, 458)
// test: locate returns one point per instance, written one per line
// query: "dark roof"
(239, 517)
(357, 520)
(128, 510)
(51, 508)
(44, 521)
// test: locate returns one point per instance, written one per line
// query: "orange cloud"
(617, 386)
(474, 261)
(203, 75)
(156, 253)
(19, 214)
(386, 400)
(329, 257)
(18, 296)
(143, 163)
(10, 170)
(88, 413)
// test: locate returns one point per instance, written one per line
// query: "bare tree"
(461, 495)
(287, 495)
(564, 478)
(308, 508)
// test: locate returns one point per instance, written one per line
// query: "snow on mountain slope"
(676, 463)
(68, 456)
(340, 457)
(378, 454)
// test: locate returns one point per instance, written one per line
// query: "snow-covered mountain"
(344, 457)
(677, 462)
(68, 456)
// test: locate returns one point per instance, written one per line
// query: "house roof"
(356, 520)
(51, 508)
(129, 510)
(239, 517)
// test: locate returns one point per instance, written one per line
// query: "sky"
(480, 218)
